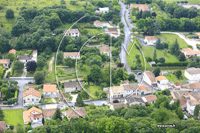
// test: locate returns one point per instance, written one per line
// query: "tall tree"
(95, 73)
(10, 13)
(159, 45)
(1, 114)
(57, 114)
(39, 77)
(31, 66)
(156, 71)
(79, 101)
(4, 45)
(175, 47)
(154, 54)
(18, 65)
(196, 111)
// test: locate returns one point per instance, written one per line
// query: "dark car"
(139, 73)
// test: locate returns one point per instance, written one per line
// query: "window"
(28, 99)
(37, 99)
(33, 99)
(51, 93)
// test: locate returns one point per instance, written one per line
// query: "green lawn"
(172, 77)
(94, 31)
(167, 37)
(17, 73)
(131, 57)
(30, 74)
(13, 117)
(92, 89)
(65, 26)
(47, 100)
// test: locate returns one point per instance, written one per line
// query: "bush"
(5, 102)
(148, 59)
(11, 127)
(161, 60)
(173, 64)
(92, 106)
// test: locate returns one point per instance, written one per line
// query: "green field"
(13, 117)
(94, 31)
(47, 100)
(189, 1)
(172, 77)
(92, 89)
(167, 37)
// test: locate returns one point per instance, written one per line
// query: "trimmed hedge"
(185, 63)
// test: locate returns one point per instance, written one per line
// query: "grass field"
(172, 77)
(94, 31)
(92, 89)
(13, 117)
(47, 100)
(131, 57)
(167, 37)
(189, 1)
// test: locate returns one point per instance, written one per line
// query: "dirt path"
(50, 64)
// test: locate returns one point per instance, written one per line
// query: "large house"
(123, 90)
(34, 55)
(179, 94)
(149, 98)
(50, 91)
(72, 32)
(141, 7)
(3, 126)
(31, 96)
(33, 115)
(162, 82)
(114, 32)
(73, 55)
(105, 50)
(134, 99)
(13, 51)
(193, 74)
(190, 86)
(104, 10)
(77, 112)
(113, 106)
(48, 113)
(145, 90)
(149, 78)
(150, 40)
(24, 58)
(5, 62)
(189, 53)
(72, 86)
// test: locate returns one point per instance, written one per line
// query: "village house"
(48, 113)
(177, 85)
(24, 58)
(72, 86)
(192, 74)
(50, 91)
(72, 32)
(149, 78)
(150, 40)
(114, 32)
(76, 113)
(191, 106)
(73, 55)
(134, 99)
(102, 10)
(178, 94)
(141, 7)
(31, 97)
(105, 50)
(162, 82)
(13, 51)
(34, 55)
(98, 23)
(190, 86)
(33, 115)
(5, 62)
(145, 90)
(113, 106)
(3, 126)
(149, 98)
(183, 102)
(117, 91)
(189, 53)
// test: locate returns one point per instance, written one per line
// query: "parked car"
(30, 82)
(139, 73)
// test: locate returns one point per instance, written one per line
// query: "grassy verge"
(13, 117)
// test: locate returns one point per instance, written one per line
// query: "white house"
(5, 62)
(50, 91)
(191, 106)
(24, 58)
(132, 88)
(72, 55)
(149, 78)
(149, 98)
(72, 32)
(104, 10)
(162, 82)
(113, 106)
(105, 50)
(33, 115)
(31, 97)
(72, 86)
(189, 53)
(48, 113)
(192, 74)
(150, 40)
(134, 99)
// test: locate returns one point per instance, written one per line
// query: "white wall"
(194, 77)
(32, 99)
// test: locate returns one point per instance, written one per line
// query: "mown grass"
(47, 100)
(93, 89)
(167, 37)
(13, 117)
(172, 77)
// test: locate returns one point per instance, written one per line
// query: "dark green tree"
(79, 101)
(182, 57)
(156, 71)
(10, 13)
(57, 114)
(18, 65)
(1, 114)
(159, 45)
(196, 111)
(161, 60)
(95, 73)
(178, 74)
(39, 77)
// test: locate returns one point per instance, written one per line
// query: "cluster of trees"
(194, 62)
(8, 92)
(138, 1)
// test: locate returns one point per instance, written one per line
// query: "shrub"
(5, 102)
(148, 59)
(161, 60)
(11, 127)
(92, 106)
